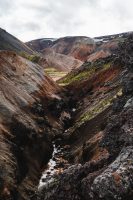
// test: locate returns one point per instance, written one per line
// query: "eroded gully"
(56, 165)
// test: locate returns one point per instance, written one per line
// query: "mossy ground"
(89, 71)
(95, 110)
(32, 58)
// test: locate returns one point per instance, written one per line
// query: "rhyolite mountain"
(87, 115)
(67, 53)
(78, 46)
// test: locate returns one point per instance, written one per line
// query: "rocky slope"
(9, 42)
(61, 62)
(100, 136)
(27, 124)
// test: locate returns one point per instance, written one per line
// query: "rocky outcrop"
(116, 181)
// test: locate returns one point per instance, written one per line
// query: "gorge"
(66, 118)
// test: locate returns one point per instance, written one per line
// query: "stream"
(56, 165)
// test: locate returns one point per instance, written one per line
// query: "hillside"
(99, 138)
(9, 42)
(24, 121)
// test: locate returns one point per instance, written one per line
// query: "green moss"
(70, 78)
(93, 112)
(86, 73)
(101, 106)
(32, 58)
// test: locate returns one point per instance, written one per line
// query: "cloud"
(5, 6)
(35, 19)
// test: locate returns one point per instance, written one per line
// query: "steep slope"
(106, 45)
(60, 61)
(25, 124)
(9, 42)
(100, 137)
(96, 85)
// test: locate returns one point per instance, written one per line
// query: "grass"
(100, 107)
(93, 112)
(54, 74)
(85, 74)
(32, 58)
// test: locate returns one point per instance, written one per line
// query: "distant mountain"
(78, 47)
(59, 61)
(11, 43)
(40, 44)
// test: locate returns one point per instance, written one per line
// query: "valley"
(66, 118)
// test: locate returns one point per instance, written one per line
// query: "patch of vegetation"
(32, 58)
(93, 112)
(84, 74)
(100, 107)
(53, 73)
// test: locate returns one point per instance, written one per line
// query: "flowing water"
(56, 165)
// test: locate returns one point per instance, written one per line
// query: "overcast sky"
(31, 19)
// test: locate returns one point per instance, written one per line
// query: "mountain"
(40, 44)
(65, 54)
(9, 42)
(77, 46)
(60, 61)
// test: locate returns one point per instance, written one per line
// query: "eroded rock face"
(116, 181)
(24, 126)
(108, 173)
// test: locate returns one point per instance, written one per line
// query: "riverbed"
(56, 165)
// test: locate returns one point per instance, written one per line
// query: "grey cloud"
(31, 26)
(26, 26)
(65, 17)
